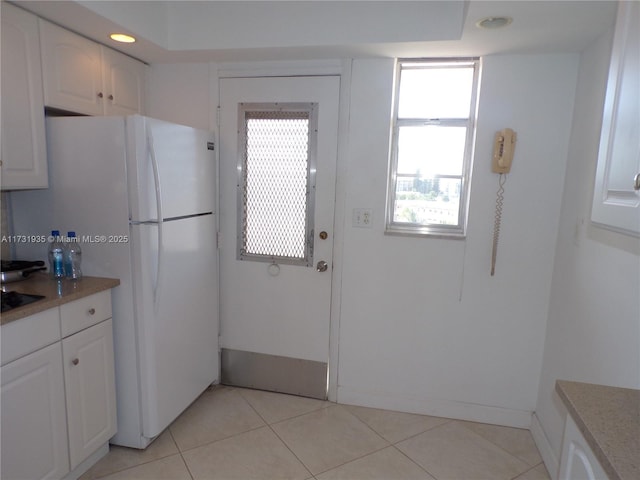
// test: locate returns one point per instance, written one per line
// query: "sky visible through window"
(431, 133)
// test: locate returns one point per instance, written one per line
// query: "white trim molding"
(550, 459)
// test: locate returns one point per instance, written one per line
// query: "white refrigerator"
(141, 195)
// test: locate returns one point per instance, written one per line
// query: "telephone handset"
(503, 148)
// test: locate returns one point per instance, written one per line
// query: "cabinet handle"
(75, 361)
(91, 311)
(111, 97)
(100, 95)
(636, 182)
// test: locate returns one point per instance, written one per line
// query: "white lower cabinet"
(34, 426)
(578, 462)
(58, 401)
(90, 390)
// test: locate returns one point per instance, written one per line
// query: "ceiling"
(237, 30)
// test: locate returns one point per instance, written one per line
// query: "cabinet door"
(578, 460)
(71, 68)
(123, 79)
(616, 199)
(24, 158)
(90, 387)
(34, 424)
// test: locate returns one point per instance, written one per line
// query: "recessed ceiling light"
(122, 37)
(494, 22)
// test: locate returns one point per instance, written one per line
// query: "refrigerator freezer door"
(176, 310)
(170, 167)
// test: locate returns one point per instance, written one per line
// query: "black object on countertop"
(15, 299)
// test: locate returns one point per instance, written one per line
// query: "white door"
(91, 392)
(175, 280)
(172, 168)
(616, 199)
(24, 156)
(275, 299)
(34, 424)
(123, 80)
(71, 70)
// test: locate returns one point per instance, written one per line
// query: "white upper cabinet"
(82, 76)
(616, 199)
(123, 80)
(72, 70)
(24, 157)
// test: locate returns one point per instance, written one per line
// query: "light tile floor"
(234, 433)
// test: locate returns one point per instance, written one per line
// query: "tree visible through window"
(432, 141)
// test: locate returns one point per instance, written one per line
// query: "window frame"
(433, 230)
(311, 109)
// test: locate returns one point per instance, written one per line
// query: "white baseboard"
(436, 407)
(549, 457)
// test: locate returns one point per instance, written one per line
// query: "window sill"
(424, 232)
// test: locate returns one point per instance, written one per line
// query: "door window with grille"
(276, 182)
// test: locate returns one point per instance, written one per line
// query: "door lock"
(322, 266)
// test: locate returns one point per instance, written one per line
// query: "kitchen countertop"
(55, 292)
(609, 420)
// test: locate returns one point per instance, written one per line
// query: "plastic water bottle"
(73, 257)
(56, 255)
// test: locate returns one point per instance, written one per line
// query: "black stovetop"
(13, 299)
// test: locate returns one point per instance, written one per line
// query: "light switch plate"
(362, 217)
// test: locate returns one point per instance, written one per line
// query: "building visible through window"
(433, 135)
(276, 182)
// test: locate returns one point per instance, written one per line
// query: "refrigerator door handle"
(158, 190)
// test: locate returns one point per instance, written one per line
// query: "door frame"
(341, 68)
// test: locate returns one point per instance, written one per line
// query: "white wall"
(423, 325)
(180, 93)
(593, 329)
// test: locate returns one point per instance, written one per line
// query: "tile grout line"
(424, 431)
(184, 460)
(180, 450)
(395, 445)
(413, 461)
(278, 436)
(462, 424)
(532, 468)
(353, 459)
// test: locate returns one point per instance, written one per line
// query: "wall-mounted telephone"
(503, 148)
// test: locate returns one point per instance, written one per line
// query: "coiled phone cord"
(498, 217)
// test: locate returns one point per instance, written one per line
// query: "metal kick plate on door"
(274, 373)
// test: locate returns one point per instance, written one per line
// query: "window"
(276, 182)
(433, 133)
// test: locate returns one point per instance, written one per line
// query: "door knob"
(322, 266)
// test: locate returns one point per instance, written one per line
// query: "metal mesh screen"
(275, 184)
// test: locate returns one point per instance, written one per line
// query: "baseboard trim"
(436, 407)
(549, 457)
